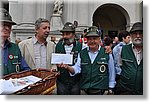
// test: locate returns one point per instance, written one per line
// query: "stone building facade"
(107, 15)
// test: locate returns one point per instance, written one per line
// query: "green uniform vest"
(14, 58)
(65, 77)
(94, 76)
(132, 73)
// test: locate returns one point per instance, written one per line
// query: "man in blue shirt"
(96, 67)
(12, 61)
(124, 38)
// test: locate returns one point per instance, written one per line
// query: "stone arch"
(111, 17)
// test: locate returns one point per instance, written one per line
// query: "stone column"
(29, 12)
(24, 14)
(13, 7)
(41, 9)
(83, 14)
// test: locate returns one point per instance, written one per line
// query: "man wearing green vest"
(95, 66)
(131, 79)
(12, 61)
(67, 85)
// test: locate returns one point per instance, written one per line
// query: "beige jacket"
(27, 52)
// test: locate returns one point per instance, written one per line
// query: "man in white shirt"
(95, 66)
(67, 85)
(131, 79)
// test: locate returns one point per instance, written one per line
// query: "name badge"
(103, 58)
(84, 63)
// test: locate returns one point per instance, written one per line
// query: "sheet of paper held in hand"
(61, 58)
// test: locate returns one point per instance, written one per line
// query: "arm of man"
(112, 75)
(116, 56)
(73, 70)
(67, 67)
(24, 65)
(112, 72)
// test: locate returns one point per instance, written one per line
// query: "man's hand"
(63, 66)
(110, 92)
(67, 67)
(53, 70)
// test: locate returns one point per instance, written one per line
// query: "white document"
(12, 85)
(61, 58)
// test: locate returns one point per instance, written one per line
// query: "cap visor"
(13, 23)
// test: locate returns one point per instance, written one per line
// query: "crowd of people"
(100, 66)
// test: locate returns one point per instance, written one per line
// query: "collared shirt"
(138, 54)
(112, 74)
(39, 54)
(117, 56)
(68, 48)
(93, 55)
(4, 55)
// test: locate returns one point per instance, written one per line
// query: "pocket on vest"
(125, 79)
(127, 60)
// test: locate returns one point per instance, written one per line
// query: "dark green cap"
(68, 27)
(92, 32)
(138, 26)
(5, 16)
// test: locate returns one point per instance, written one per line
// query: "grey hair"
(39, 21)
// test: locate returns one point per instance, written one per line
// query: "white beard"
(137, 41)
